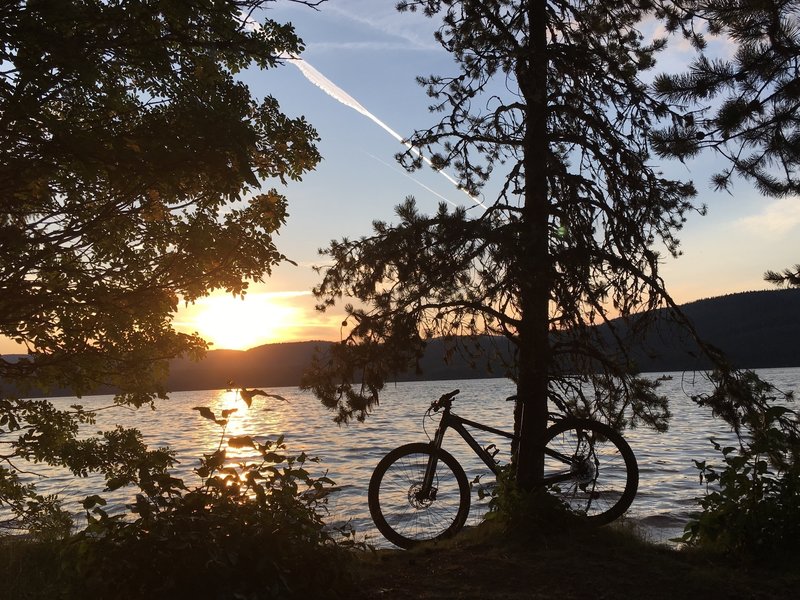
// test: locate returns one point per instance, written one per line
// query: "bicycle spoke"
(402, 512)
(419, 522)
(600, 476)
(587, 465)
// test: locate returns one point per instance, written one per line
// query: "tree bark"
(535, 268)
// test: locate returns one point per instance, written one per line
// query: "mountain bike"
(420, 492)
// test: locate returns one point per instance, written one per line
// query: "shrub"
(250, 530)
(525, 512)
(752, 502)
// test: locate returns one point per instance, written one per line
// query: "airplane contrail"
(337, 93)
(418, 182)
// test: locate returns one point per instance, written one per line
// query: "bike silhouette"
(419, 492)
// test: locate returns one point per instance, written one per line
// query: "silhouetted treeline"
(755, 330)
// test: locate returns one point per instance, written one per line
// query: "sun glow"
(235, 324)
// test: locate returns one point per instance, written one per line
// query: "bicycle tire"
(402, 518)
(604, 474)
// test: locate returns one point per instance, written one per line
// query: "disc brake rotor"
(416, 499)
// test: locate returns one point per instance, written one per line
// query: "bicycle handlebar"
(444, 400)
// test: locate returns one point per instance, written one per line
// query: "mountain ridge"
(758, 329)
(767, 335)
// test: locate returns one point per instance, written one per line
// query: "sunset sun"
(236, 324)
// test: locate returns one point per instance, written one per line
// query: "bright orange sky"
(260, 318)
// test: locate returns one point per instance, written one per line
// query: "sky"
(374, 54)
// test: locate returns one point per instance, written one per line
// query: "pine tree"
(747, 107)
(548, 100)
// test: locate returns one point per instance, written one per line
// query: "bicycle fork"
(427, 491)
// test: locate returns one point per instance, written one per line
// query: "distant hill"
(273, 365)
(277, 365)
(755, 329)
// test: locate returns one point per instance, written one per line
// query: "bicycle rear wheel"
(591, 469)
(400, 513)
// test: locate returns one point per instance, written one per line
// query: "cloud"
(286, 294)
(251, 297)
(680, 53)
(776, 219)
(414, 29)
(369, 46)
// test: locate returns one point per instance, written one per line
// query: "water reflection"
(668, 480)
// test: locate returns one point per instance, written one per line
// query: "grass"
(28, 569)
(484, 562)
(606, 563)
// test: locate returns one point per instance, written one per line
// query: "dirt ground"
(600, 564)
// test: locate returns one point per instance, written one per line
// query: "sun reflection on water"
(263, 420)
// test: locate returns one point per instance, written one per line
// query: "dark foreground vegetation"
(251, 528)
(482, 562)
(610, 562)
(255, 530)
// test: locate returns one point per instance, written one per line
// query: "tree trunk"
(535, 268)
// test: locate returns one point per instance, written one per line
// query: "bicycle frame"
(453, 421)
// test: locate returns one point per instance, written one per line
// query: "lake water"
(668, 483)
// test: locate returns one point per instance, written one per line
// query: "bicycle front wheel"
(591, 469)
(399, 509)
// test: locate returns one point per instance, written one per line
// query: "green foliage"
(524, 512)
(38, 515)
(30, 568)
(789, 277)
(744, 107)
(752, 503)
(132, 164)
(47, 435)
(251, 529)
